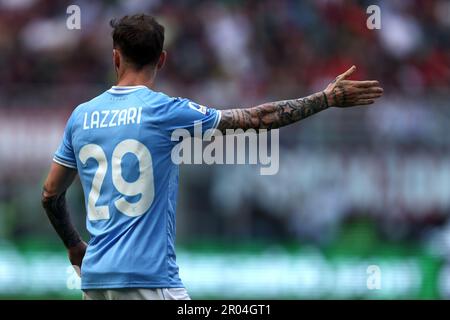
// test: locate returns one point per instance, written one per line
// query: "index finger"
(365, 84)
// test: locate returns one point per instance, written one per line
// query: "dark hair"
(140, 38)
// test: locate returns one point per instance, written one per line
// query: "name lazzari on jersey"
(112, 118)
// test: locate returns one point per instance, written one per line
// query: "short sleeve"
(186, 114)
(64, 155)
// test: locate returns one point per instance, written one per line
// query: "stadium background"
(358, 187)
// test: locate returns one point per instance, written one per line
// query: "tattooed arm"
(340, 93)
(54, 203)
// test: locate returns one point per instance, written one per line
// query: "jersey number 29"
(143, 185)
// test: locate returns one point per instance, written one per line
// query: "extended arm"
(340, 93)
(54, 203)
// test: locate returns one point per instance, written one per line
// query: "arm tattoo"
(56, 209)
(273, 115)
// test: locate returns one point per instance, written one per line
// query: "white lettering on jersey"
(112, 123)
(85, 126)
(95, 117)
(112, 118)
(131, 115)
(122, 117)
(139, 115)
(105, 114)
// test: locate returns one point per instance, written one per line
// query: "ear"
(116, 58)
(162, 60)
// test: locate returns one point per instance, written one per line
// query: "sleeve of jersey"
(191, 116)
(64, 155)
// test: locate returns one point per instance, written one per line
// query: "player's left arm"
(340, 93)
(54, 202)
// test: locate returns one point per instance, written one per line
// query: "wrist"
(325, 100)
(329, 98)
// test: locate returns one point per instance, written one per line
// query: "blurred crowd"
(240, 53)
(228, 52)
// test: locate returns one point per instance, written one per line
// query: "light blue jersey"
(120, 143)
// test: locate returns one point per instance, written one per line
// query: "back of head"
(139, 38)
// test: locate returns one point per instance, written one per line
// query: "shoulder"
(151, 97)
(82, 106)
(85, 107)
(161, 105)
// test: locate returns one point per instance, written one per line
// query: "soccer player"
(119, 143)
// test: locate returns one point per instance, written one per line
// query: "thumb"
(347, 73)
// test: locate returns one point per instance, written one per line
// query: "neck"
(136, 78)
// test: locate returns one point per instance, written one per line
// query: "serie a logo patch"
(198, 107)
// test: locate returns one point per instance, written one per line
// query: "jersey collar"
(125, 89)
